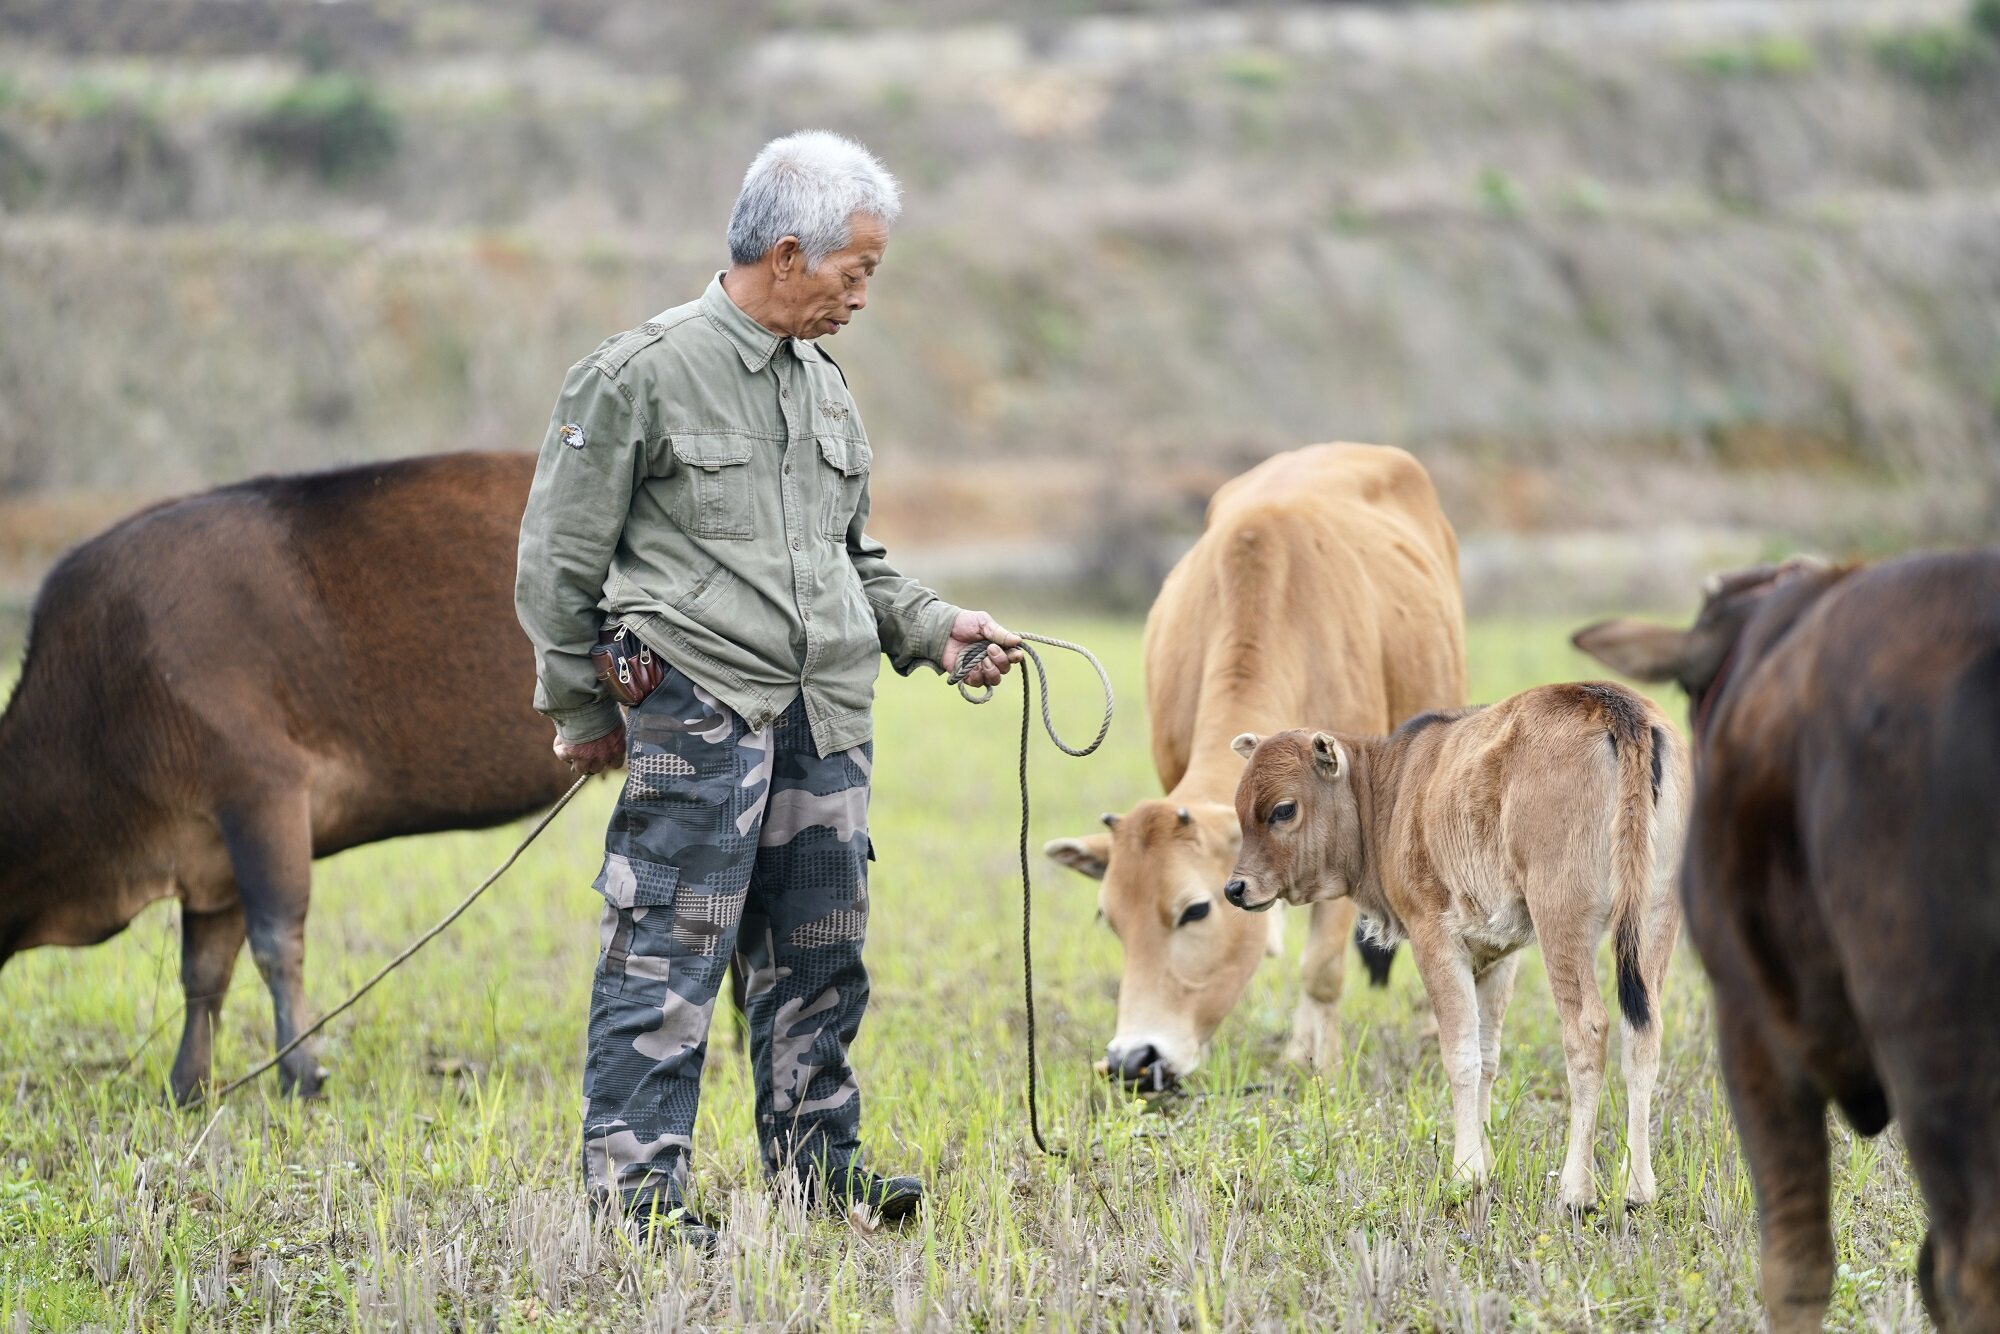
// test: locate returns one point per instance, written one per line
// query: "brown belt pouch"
(627, 667)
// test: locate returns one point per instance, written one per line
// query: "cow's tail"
(1641, 754)
(1375, 956)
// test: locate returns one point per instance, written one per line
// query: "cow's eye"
(1282, 812)
(1195, 911)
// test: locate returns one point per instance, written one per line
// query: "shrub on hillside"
(333, 126)
(1940, 59)
(1986, 17)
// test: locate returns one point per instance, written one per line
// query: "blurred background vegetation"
(1650, 285)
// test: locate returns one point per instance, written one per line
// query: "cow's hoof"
(307, 1086)
(1315, 1040)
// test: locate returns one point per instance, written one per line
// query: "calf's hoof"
(1579, 1200)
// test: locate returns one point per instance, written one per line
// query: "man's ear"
(1246, 744)
(1638, 649)
(786, 257)
(1329, 756)
(1088, 855)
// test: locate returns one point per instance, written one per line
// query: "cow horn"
(1183, 814)
(1110, 819)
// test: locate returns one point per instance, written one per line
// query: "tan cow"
(1324, 588)
(1473, 834)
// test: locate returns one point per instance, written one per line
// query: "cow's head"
(1301, 825)
(1188, 956)
(1699, 658)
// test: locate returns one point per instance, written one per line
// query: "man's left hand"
(970, 628)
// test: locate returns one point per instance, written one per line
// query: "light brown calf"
(1471, 834)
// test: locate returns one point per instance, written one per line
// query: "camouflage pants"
(725, 840)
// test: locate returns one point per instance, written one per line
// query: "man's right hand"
(589, 757)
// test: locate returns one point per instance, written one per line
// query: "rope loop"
(967, 661)
(976, 654)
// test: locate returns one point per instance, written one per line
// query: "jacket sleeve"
(914, 623)
(592, 459)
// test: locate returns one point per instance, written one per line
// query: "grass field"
(436, 1183)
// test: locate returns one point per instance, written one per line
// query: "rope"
(967, 661)
(400, 959)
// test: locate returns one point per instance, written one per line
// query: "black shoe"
(662, 1223)
(874, 1201)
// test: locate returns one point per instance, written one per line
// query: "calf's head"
(1301, 824)
(1187, 955)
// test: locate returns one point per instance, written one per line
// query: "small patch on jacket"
(837, 411)
(572, 435)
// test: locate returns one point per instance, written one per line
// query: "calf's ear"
(1638, 649)
(1088, 855)
(1329, 755)
(1245, 744)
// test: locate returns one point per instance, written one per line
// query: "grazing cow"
(1473, 834)
(1843, 890)
(222, 688)
(1324, 588)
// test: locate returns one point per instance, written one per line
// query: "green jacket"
(705, 482)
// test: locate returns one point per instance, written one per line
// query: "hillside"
(1730, 262)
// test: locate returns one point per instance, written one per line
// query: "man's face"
(821, 301)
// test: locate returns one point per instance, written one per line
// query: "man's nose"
(1233, 891)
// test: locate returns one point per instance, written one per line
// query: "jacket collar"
(753, 342)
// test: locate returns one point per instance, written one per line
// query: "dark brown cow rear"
(222, 688)
(1843, 888)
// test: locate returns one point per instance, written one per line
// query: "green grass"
(436, 1184)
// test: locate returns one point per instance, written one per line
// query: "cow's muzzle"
(1142, 1069)
(1234, 892)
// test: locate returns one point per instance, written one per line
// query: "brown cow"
(222, 688)
(1843, 890)
(1476, 833)
(1324, 588)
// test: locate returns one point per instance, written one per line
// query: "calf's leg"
(270, 849)
(1315, 1039)
(1641, 1067)
(1496, 990)
(1570, 958)
(1454, 1000)
(210, 942)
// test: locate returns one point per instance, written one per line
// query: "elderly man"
(704, 488)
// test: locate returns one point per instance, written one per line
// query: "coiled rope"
(968, 661)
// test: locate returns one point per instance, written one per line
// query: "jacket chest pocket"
(715, 498)
(843, 472)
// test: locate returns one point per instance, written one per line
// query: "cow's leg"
(1570, 958)
(1781, 1120)
(1454, 999)
(270, 849)
(1315, 1039)
(210, 942)
(1496, 989)
(1947, 1124)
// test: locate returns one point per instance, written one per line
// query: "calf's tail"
(1641, 753)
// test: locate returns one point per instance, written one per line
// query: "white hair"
(809, 185)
